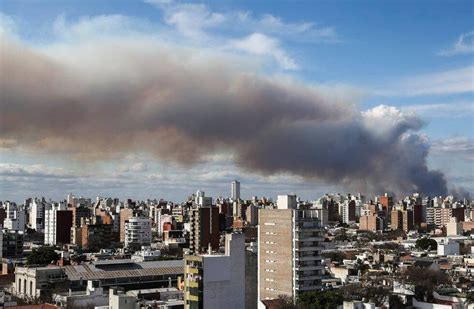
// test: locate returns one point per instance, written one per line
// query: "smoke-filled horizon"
(94, 99)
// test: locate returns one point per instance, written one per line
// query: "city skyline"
(309, 100)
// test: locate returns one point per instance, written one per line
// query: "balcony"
(308, 258)
(309, 267)
(313, 228)
(308, 238)
(309, 288)
(193, 284)
(192, 270)
(303, 248)
(308, 278)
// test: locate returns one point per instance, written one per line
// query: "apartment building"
(204, 229)
(216, 280)
(137, 232)
(289, 257)
(57, 225)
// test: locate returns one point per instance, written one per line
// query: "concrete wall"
(251, 278)
(224, 276)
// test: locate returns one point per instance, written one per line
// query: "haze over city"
(159, 98)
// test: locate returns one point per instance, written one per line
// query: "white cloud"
(192, 20)
(159, 2)
(100, 26)
(32, 171)
(19, 181)
(383, 120)
(300, 31)
(451, 109)
(460, 145)
(7, 25)
(197, 20)
(138, 167)
(456, 81)
(463, 45)
(262, 45)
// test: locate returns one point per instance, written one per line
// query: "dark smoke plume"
(99, 98)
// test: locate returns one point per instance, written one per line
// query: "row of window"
(270, 233)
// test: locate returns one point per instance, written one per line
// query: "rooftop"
(112, 269)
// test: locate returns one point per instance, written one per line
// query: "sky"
(159, 98)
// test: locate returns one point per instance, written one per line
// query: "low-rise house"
(30, 282)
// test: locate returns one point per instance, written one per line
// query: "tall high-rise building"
(289, 251)
(419, 211)
(71, 200)
(15, 217)
(204, 229)
(36, 218)
(237, 210)
(137, 232)
(235, 190)
(163, 219)
(440, 216)
(95, 236)
(58, 223)
(396, 221)
(125, 214)
(79, 215)
(401, 220)
(333, 210)
(12, 244)
(202, 200)
(251, 215)
(348, 211)
(453, 227)
(371, 222)
(407, 217)
(386, 201)
(216, 280)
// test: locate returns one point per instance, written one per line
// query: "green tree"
(320, 299)
(426, 243)
(395, 302)
(42, 256)
(285, 302)
(425, 281)
(469, 299)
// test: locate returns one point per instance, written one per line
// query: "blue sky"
(414, 55)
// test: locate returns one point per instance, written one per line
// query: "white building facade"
(50, 222)
(219, 278)
(137, 232)
(235, 190)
